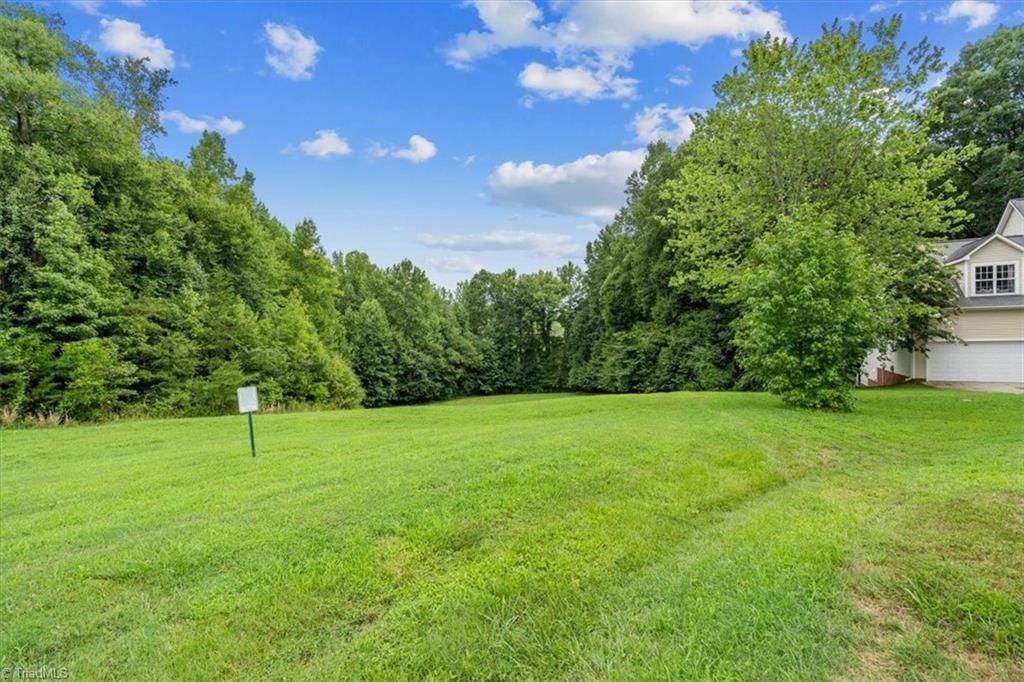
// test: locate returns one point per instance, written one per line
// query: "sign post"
(247, 404)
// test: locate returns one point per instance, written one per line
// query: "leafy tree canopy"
(980, 107)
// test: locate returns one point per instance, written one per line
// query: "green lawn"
(669, 536)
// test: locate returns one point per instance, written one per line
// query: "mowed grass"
(669, 536)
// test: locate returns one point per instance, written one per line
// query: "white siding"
(899, 361)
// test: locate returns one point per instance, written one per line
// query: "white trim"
(968, 341)
(967, 309)
(995, 269)
(1005, 218)
(992, 236)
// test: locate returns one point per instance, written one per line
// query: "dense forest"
(135, 284)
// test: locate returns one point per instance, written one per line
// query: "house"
(990, 325)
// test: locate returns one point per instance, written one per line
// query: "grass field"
(669, 536)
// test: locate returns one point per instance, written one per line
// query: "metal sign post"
(252, 437)
(247, 404)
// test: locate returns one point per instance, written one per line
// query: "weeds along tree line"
(136, 284)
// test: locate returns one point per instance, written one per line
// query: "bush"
(812, 311)
(96, 380)
(692, 354)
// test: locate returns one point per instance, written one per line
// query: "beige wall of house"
(974, 325)
(920, 365)
(991, 336)
(996, 251)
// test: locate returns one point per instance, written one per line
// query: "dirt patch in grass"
(887, 623)
(980, 667)
(937, 597)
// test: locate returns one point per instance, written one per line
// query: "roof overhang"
(1011, 208)
(967, 309)
(997, 235)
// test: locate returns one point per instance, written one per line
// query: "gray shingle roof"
(991, 302)
(956, 249)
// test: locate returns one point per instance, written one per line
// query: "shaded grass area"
(669, 536)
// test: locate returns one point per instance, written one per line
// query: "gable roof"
(1011, 206)
(955, 250)
(966, 250)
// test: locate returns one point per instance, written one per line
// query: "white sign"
(247, 401)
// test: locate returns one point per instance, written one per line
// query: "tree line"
(136, 284)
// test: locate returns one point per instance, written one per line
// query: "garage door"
(977, 361)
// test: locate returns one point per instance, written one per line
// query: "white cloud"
(292, 54)
(126, 38)
(327, 143)
(187, 124)
(543, 243)
(419, 150)
(590, 186)
(614, 27)
(883, 5)
(662, 123)
(594, 41)
(577, 82)
(87, 6)
(681, 76)
(508, 24)
(459, 264)
(977, 12)
(133, 3)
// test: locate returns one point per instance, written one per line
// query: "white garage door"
(977, 361)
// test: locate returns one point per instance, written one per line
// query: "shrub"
(96, 379)
(812, 310)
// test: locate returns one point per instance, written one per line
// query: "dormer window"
(997, 278)
(1006, 279)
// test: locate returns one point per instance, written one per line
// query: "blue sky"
(460, 135)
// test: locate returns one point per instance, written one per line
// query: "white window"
(983, 279)
(997, 278)
(1006, 279)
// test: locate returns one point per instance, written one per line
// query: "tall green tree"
(311, 274)
(130, 282)
(631, 330)
(835, 123)
(372, 349)
(980, 107)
